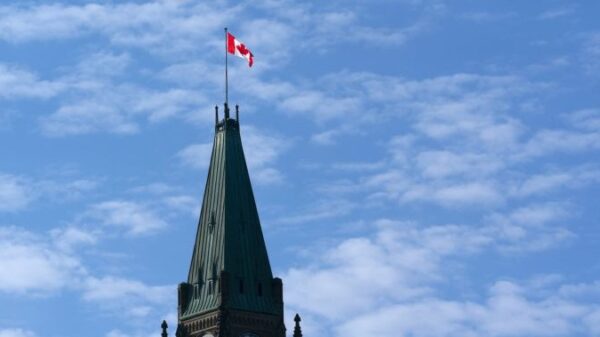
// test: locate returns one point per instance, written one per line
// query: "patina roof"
(229, 236)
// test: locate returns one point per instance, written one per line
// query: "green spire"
(230, 268)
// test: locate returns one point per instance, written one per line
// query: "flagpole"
(226, 79)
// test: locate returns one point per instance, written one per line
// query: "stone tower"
(230, 290)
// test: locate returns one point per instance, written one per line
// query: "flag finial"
(297, 328)
(164, 327)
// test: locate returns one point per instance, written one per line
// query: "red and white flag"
(237, 48)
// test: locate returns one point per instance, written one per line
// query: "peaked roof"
(229, 236)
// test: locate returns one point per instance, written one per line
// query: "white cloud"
(119, 333)
(586, 119)
(486, 17)
(156, 188)
(440, 164)
(325, 137)
(559, 141)
(541, 183)
(323, 209)
(357, 166)
(35, 265)
(262, 148)
(86, 117)
(555, 13)
(592, 322)
(162, 105)
(125, 296)
(117, 108)
(125, 24)
(132, 217)
(530, 228)
(100, 101)
(507, 311)
(396, 261)
(192, 73)
(468, 108)
(19, 83)
(267, 176)
(183, 203)
(405, 187)
(261, 151)
(15, 193)
(474, 115)
(62, 189)
(547, 182)
(321, 106)
(465, 148)
(46, 264)
(385, 284)
(66, 239)
(93, 97)
(458, 179)
(16, 333)
(98, 66)
(455, 193)
(182, 25)
(590, 54)
(196, 155)
(103, 99)
(340, 286)
(316, 27)
(109, 289)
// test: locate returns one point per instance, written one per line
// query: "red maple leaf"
(242, 49)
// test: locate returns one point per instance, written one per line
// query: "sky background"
(421, 168)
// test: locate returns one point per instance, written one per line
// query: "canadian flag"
(237, 48)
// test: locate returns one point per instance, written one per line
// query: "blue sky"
(421, 168)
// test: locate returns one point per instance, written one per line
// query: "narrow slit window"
(214, 271)
(260, 293)
(241, 284)
(212, 223)
(200, 277)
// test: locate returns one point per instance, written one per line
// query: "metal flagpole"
(226, 80)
